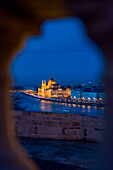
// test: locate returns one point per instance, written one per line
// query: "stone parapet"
(61, 126)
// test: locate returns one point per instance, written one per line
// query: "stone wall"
(20, 19)
(58, 126)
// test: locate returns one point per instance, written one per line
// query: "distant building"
(88, 93)
(53, 90)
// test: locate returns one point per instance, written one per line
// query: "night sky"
(63, 50)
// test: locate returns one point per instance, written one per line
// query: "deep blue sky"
(63, 50)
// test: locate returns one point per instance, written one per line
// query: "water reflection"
(102, 108)
(46, 106)
(88, 108)
(33, 104)
(69, 105)
(83, 108)
(95, 107)
(74, 105)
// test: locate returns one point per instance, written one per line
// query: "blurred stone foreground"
(22, 18)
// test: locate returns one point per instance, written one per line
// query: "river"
(32, 104)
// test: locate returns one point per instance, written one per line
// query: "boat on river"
(67, 110)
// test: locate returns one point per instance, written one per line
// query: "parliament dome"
(51, 81)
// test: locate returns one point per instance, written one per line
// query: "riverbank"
(29, 103)
(67, 101)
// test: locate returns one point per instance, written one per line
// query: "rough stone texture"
(58, 126)
(19, 19)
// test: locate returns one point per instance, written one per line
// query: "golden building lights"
(53, 90)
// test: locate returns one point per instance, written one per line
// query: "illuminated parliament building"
(53, 90)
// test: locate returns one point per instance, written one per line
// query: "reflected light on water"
(88, 108)
(95, 107)
(34, 104)
(46, 106)
(69, 105)
(74, 105)
(48, 102)
(83, 108)
(43, 105)
(42, 101)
